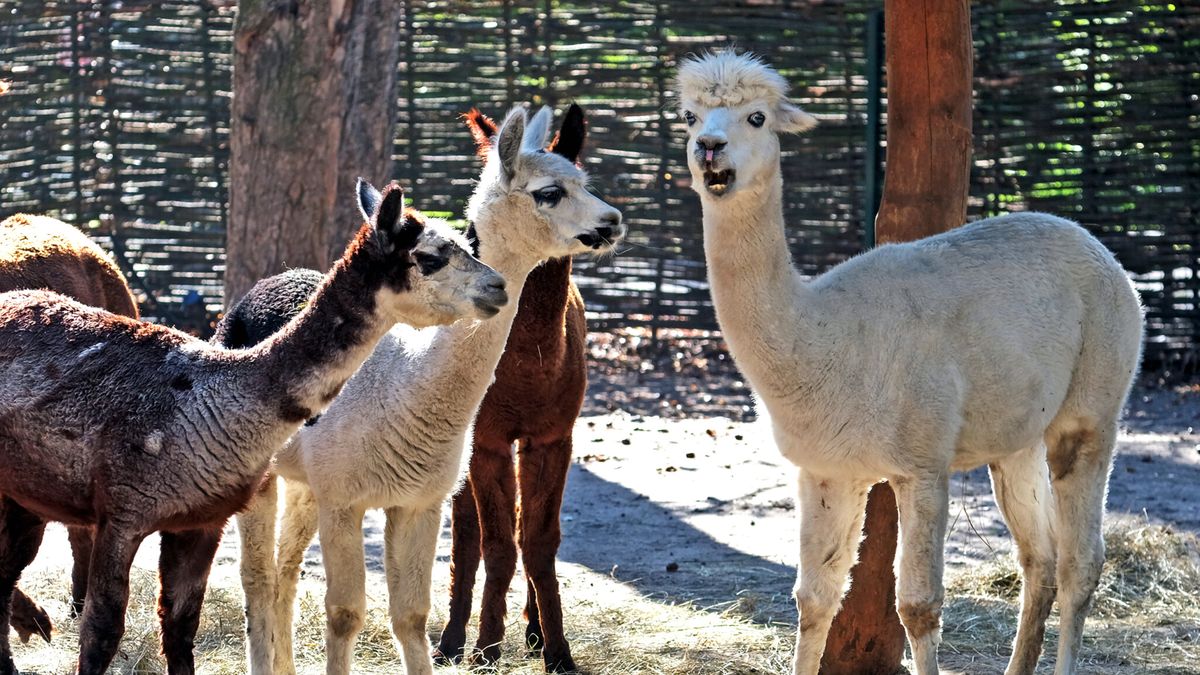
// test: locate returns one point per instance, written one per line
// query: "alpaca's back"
(41, 252)
(266, 308)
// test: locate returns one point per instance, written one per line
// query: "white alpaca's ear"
(538, 131)
(790, 119)
(508, 143)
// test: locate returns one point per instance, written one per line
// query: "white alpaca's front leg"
(831, 513)
(345, 579)
(411, 547)
(297, 528)
(923, 505)
(256, 529)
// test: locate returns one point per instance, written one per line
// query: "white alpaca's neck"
(453, 374)
(762, 304)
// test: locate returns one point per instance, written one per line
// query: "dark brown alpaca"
(41, 252)
(132, 428)
(534, 401)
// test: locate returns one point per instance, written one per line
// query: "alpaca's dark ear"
(368, 199)
(396, 228)
(483, 129)
(508, 143)
(568, 142)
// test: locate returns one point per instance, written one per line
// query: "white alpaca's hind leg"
(1079, 465)
(1021, 483)
(923, 505)
(256, 530)
(831, 513)
(411, 547)
(345, 580)
(296, 531)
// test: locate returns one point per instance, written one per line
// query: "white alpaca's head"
(542, 198)
(444, 282)
(735, 106)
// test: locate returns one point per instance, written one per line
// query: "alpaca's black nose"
(711, 143)
(604, 232)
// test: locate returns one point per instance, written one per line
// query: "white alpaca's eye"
(549, 196)
(689, 117)
(756, 119)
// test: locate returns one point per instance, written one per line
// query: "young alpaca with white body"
(1010, 342)
(397, 437)
(133, 428)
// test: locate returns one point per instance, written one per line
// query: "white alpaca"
(396, 437)
(1003, 342)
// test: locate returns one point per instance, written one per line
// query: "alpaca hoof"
(488, 656)
(28, 619)
(444, 655)
(560, 664)
(533, 641)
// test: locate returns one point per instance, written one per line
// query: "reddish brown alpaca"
(41, 252)
(534, 401)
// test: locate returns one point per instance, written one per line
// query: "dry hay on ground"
(1146, 620)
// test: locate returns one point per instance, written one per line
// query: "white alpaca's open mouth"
(718, 182)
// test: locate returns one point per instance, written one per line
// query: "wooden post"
(314, 107)
(926, 180)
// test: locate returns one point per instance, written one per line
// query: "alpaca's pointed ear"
(483, 129)
(368, 199)
(508, 142)
(537, 132)
(568, 142)
(395, 228)
(790, 119)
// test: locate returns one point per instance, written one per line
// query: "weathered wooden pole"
(314, 106)
(926, 180)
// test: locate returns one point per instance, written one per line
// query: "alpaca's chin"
(719, 183)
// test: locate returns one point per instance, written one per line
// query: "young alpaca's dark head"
(424, 270)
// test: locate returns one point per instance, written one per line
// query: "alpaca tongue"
(708, 156)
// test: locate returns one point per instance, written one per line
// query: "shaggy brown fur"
(42, 252)
(130, 427)
(534, 401)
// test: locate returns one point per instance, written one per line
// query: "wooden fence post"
(926, 180)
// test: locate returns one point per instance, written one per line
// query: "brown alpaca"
(132, 428)
(42, 252)
(534, 401)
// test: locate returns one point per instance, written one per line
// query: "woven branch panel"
(117, 120)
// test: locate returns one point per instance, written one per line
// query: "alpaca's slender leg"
(533, 622)
(28, 619)
(464, 563)
(341, 533)
(80, 538)
(184, 561)
(831, 513)
(256, 530)
(411, 547)
(1079, 465)
(542, 471)
(20, 536)
(924, 504)
(296, 531)
(1022, 485)
(495, 498)
(108, 595)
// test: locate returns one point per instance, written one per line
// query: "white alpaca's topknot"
(728, 79)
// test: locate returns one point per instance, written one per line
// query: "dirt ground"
(676, 495)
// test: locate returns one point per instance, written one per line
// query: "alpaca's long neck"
(454, 372)
(306, 363)
(543, 305)
(764, 307)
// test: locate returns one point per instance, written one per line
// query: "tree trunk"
(926, 181)
(314, 107)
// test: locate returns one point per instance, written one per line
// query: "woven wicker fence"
(117, 120)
